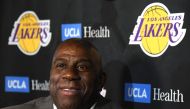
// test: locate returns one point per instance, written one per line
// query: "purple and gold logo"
(30, 33)
(156, 29)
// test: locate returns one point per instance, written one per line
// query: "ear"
(101, 80)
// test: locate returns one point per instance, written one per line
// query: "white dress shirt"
(93, 106)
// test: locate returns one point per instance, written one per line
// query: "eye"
(60, 65)
(82, 68)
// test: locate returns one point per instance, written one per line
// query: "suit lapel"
(45, 103)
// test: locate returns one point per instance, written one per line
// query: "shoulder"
(41, 103)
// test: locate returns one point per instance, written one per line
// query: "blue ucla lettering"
(137, 93)
(72, 32)
(16, 84)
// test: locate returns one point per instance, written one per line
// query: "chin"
(69, 103)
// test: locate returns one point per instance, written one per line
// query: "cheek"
(54, 77)
(90, 81)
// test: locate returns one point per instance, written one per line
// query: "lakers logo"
(30, 33)
(156, 29)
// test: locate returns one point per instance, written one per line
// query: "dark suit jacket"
(47, 103)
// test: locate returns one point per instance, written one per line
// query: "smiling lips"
(70, 91)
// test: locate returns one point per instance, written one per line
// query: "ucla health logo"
(156, 29)
(17, 84)
(138, 92)
(71, 31)
(30, 33)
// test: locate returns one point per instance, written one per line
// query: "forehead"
(73, 50)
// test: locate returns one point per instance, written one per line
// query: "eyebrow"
(58, 59)
(78, 61)
(84, 60)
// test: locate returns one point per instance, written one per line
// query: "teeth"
(70, 89)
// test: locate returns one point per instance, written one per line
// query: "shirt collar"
(93, 106)
(54, 106)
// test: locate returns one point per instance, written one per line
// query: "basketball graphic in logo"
(155, 43)
(30, 42)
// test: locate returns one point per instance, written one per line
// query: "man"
(76, 78)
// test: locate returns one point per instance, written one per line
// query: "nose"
(71, 75)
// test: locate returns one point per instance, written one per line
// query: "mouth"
(71, 91)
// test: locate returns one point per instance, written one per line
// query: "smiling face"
(75, 77)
